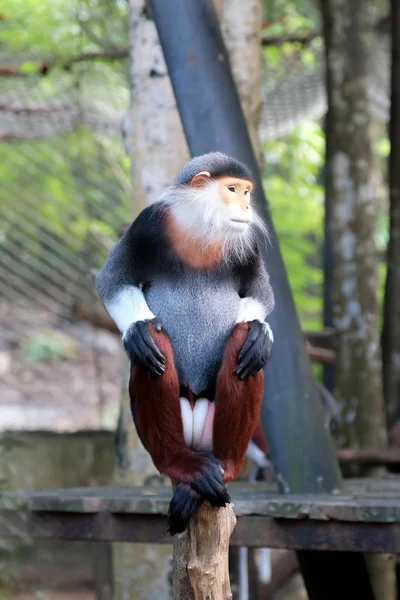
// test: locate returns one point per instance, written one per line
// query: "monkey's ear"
(200, 179)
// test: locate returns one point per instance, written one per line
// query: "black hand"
(256, 350)
(141, 347)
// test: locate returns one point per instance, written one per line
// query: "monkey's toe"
(209, 483)
(184, 504)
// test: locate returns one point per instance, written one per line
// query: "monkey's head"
(211, 199)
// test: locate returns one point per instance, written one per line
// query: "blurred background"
(89, 134)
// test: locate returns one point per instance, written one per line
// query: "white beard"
(202, 213)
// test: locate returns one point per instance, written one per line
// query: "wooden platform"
(364, 517)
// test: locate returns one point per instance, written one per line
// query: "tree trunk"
(241, 24)
(348, 38)
(391, 330)
(155, 142)
(349, 42)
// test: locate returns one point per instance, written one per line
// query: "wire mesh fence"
(66, 194)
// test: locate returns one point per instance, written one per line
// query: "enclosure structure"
(365, 517)
(355, 520)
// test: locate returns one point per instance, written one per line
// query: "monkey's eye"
(246, 192)
(232, 188)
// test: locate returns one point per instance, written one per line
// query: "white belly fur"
(198, 423)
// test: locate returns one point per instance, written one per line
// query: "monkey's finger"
(256, 363)
(240, 370)
(147, 338)
(155, 352)
(254, 332)
(244, 373)
(252, 368)
(150, 343)
(256, 357)
(244, 370)
(153, 360)
(157, 323)
(146, 358)
(247, 358)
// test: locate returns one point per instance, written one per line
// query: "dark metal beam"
(250, 531)
(212, 119)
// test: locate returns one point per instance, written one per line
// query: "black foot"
(209, 483)
(206, 485)
(184, 504)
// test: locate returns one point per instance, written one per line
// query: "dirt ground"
(75, 393)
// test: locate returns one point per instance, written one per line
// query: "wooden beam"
(250, 531)
(321, 355)
(371, 456)
(364, 499)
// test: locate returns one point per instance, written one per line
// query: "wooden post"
(200, 556)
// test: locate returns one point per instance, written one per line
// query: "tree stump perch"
(201, 556)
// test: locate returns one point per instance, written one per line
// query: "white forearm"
(251, 309)
(127, 307)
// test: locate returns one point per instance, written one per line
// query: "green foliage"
(72, 189)
(58, 194)
(293, 163)
(56, 28)
(61, 192)
(284, 18)
(49, 345)
(279, 10)
(297, 203)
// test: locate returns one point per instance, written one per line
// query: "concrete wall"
(39, 460)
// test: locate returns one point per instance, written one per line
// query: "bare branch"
(370, 456)
(32, 110)
(44, 66)
(304, 38)
(322, 355)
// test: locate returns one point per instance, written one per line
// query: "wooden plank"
(361, 501)
(103, 526)
(250, 531)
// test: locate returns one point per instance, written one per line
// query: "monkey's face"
(224, 203)
(236, 211)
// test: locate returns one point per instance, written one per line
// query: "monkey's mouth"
(245, 221)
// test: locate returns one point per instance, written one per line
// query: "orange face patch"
(235, 191)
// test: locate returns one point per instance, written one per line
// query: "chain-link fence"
(65, 194)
